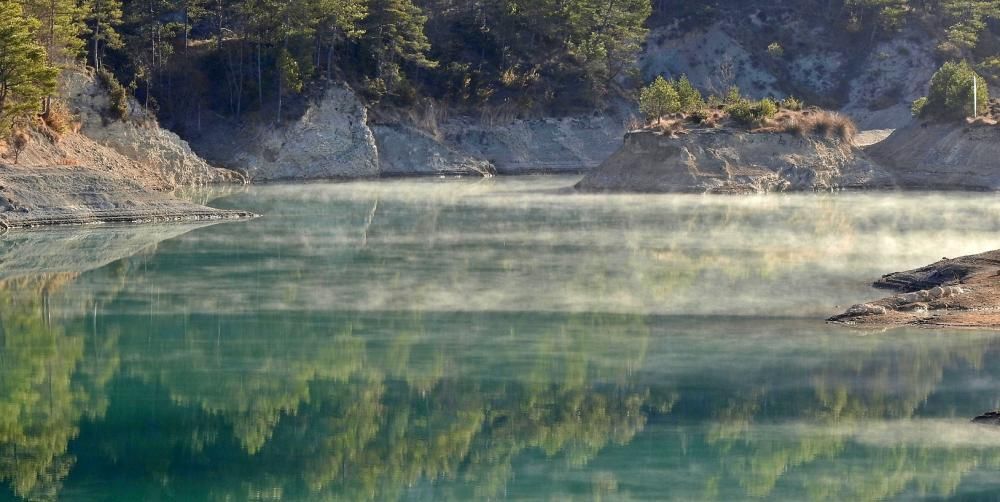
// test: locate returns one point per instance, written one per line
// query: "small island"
(733, 144)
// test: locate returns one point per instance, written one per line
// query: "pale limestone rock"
(733, 161)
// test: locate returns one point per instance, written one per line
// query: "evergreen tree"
(658, 99)
(61, 27)
(690, 97)
(394, 33)
(103, 20)
(25, 74)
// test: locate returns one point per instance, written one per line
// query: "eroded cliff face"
(335, 138)
(942, 156)
(733, 161)
(330, 140)
(139, 139)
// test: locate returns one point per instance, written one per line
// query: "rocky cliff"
(139, 138)
(336, 138)
(733, 161)
(942, 156)
(331, 139)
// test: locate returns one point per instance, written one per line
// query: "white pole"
(975, 97)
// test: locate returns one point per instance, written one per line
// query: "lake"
(456, 339)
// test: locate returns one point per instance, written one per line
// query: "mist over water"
(454, 339)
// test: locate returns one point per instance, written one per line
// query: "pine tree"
(25, 74)
(61, 27)
(103, 20)
(658, 99)
(394, 32)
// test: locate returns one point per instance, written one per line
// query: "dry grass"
(982, 121)
(821, 123)
(810, 122)
(672, 127)
(58, 121)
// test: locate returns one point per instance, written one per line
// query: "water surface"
(456, 339)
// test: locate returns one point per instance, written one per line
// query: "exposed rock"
(990, 418)
(712, 59)
(38, 196)
(733, 161)
(330, 140)
(942, 156)
(570, 144)
(405, 151)
(139, 139)
(961, 292)
(895, 72)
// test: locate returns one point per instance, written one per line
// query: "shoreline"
(951, 293)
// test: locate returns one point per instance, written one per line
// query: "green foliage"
(733, 96)
(951, 93)
(752, 113)
(917, 108)
(689, 97)
(792, 103)
(25, 74)
(658, 99)
(118, 102)
(103, 21)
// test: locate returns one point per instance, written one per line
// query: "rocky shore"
(961, 292)
(38, 196)
(104, 170)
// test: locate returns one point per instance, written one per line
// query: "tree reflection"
(45, 388)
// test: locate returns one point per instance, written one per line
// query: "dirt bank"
(961, 292)
(100, 169)
(955, 156)
(728, 160)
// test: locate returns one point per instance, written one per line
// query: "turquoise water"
(501, 339)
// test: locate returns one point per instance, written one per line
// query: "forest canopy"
(234, 57)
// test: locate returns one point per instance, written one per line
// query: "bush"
(118, 107)
(775, 50)
(58, 118)
(751, 113)
(733, 96)
(791, 103)
(950, 96)
(658, 99)
(917, 108)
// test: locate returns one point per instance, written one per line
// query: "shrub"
(917, 108)
(118, 107)
(58, 118)
(791, 103)
(18, 142)
(775, 50)
(733, 96)
(950, 94)
(752, 114)
(658, 99)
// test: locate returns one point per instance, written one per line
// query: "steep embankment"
(337, 137)
(961, 292)
(942, 156)
(101, 169)
(733, 161)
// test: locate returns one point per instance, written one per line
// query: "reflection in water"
(404, 355)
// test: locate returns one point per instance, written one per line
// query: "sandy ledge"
(955, 293)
